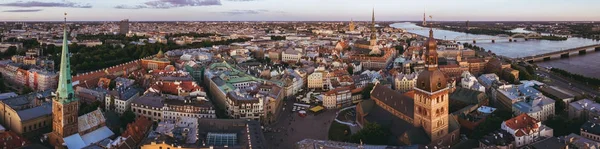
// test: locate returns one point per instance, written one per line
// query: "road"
(565, 82)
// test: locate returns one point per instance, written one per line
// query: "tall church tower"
(373, 30)
(65, 105)
(431, 95)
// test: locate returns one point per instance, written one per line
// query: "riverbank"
(493, 32)
(586, 65)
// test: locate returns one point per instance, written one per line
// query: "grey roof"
(591, 126)
(7, 95)
(394, 99)
(32, 113)
(533, 103)
(548, 143)
(586, 104)
(125, 94)
(466, 96)
(150, 100)
(497, 138)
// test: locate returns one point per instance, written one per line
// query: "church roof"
(394, 99)
(397, 126)
(90, 120)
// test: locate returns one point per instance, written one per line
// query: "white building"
(291, 55)
(121, 99)
(148, 106)
(526, 129)
(539, 107)
(243, 106)
(337, 98)
(470, 82)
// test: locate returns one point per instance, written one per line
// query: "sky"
(299, 10)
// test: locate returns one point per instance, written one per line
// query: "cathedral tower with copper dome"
(431, 95)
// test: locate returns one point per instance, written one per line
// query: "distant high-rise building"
(124, 27)
(424, 21)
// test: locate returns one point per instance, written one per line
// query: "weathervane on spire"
(65, 17)
(431, 21)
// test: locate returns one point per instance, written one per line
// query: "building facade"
(405, 82)
(337, 98)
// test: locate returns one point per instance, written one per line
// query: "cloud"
(46, 4)
(166, 4)
(242, 0)
(131, 7)
(244, 12)
(23, 10)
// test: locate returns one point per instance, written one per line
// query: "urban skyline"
(294, 10)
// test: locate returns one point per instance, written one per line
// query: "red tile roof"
(10, 139)
(174, 87)
(137, 130)
(523, 124)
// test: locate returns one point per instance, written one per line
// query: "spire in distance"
(373, 30)
(64, 92)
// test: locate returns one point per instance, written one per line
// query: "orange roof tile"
(522, 124)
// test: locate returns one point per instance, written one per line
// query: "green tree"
(492, 123)
(112, 84)
(26, 90)
(400, 49)
(350, 69)
(366, 92)
(372, 133)
(564, 126)
(85, 108)
(12, 50)
(127, 117)
(2, 85)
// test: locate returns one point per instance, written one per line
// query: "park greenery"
(494, 32)
(366, 92)
(339, 132)
(277, 37)
(372, 133)
(491, 124)
(585, 30)
(85, 107)
(85, 59)
(525, 73)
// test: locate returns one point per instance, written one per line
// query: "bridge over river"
(560, 54)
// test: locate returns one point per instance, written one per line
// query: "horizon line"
(299, 21)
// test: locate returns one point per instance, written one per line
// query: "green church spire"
(65, 93)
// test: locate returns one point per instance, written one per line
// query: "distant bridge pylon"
(510, 38)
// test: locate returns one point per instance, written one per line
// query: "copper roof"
(431, 80)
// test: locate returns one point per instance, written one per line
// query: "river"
(576, 64)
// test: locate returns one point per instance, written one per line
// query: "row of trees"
(589, 80)
(84, 59)
(491, 124)
(277, 37)
(525, 73)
